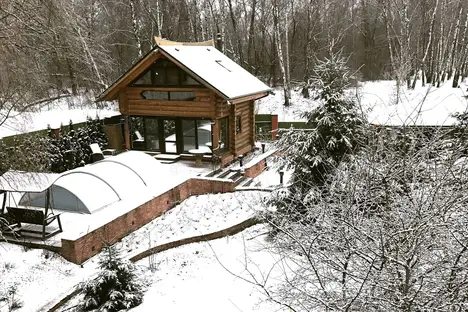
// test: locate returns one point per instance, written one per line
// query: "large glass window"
(168, 96)
(144, 79)
(155, 95)
(137, 132)
(204, 135)
(182, 96)
(189, 134)
(170, 135)
(152, 134)
(224, 134)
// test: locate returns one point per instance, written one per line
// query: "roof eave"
(262, 94)
(111, 93)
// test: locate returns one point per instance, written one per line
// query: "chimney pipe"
(219, 42)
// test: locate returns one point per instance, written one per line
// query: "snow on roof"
(216, 69)
(149, 170)
(20, 181)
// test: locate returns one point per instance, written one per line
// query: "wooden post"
(126, 132)
(4, 201)
(274, 127)
(215, 136)
(252, 123)
(232, 130)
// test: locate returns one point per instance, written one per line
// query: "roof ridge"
(164, 42)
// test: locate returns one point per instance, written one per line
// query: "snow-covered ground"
(383, 105)
(210, 276)
(39, 275)
(40, 279)
(195, 216)
(54, 113)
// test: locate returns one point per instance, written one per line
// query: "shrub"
(115, 288)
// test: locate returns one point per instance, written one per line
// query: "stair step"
(240, 180)
(167, 161)
(214, 173)
(167, 157)
(248, 182)
(224, 174)
(233, 175)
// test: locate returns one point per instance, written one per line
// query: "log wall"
(202, 107)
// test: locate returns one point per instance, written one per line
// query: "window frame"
(164, 65)
(238, 124)
(190, 98)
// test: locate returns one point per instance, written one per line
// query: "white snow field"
(54, 113)
(426, 105)
(213, 276)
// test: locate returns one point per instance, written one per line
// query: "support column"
(126, 134)
(274, 127)
(215, 136)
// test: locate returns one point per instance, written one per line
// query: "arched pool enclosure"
(89, 189)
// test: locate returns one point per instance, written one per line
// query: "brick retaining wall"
(83, 248)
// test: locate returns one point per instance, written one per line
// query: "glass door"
(152, 134)
(189, 134)
(170, 136)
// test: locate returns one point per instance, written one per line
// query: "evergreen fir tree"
(115, 288)
(338, 129)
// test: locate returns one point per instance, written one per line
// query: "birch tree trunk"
(455, 42)
(429, 41)
(461, 54)
(136, 28)
(279, 48)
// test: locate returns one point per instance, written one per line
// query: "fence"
(266, 126)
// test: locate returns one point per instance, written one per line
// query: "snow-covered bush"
(115, 288)
(26, 153)
(71, 150)
(9, 296)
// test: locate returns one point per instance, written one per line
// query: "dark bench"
(16, 216)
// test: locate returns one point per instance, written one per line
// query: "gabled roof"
(204, 62)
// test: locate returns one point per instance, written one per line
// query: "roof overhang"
(111, 93)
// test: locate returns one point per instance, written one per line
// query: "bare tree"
(387, 235)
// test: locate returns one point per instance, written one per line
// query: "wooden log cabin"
(185, 96)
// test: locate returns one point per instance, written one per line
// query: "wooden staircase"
(235, 175)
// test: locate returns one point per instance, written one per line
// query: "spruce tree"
(115, 288)
(337, 130)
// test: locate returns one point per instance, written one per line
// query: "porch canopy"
(86, 189)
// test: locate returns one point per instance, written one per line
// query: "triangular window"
(164, 73)
(144, 79)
